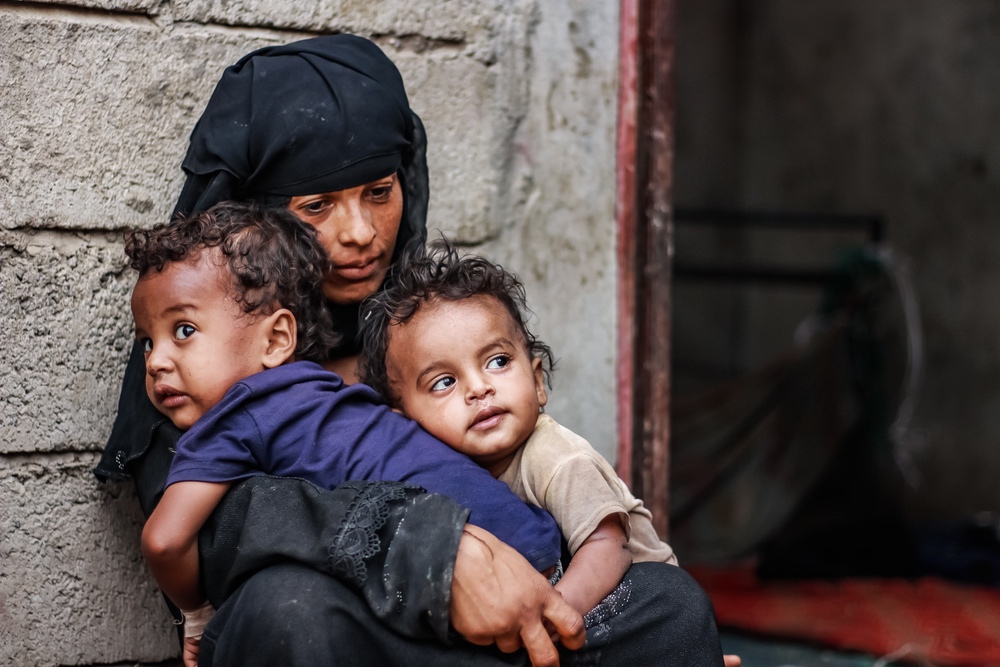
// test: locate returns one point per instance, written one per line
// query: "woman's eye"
(380, 192)
(497, 362)
(443, 384)
(314, 207)
(183, 331)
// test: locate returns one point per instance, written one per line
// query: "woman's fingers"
(497, 597)
(536, 640)
(564, 620)
(508, 643)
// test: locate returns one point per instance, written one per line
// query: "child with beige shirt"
(447, 345)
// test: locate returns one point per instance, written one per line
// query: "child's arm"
(170, 539)
(597, 566)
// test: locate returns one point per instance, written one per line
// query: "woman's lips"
(357, 270)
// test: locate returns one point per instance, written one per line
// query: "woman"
(323, 126)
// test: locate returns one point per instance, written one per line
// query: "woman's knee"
(666, 594)
(664, 617)
(287, 613)
(288, 597)
(680, 585)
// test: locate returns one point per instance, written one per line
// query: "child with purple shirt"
(230, 311)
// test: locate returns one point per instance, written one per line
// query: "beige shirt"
(560, 472)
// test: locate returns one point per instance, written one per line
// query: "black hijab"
(319, 115)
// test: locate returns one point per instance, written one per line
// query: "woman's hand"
(497, 597)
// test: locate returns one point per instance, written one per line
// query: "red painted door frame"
(644, 218)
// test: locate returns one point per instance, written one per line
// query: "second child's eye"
(183, 331)
(443, 384)
(498, 362)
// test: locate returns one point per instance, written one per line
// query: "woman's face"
(358, 228)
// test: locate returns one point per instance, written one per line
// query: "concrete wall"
(860, 107)
(99, 97)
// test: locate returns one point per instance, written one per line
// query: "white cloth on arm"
(195, 620)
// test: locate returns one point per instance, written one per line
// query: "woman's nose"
(355, 226)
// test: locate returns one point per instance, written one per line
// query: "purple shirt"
(299, 420)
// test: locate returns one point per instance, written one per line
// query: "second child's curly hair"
(439, 273)
(274, 261)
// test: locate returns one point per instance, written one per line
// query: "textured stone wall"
(99, 97)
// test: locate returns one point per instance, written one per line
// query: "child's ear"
(281, 337)
(536, 369)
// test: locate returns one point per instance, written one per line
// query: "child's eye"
(443, 384)
(183, 331)
(147, 345)
(497, 362)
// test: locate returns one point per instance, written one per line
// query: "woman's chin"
(343, 292)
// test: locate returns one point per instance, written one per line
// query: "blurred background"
(836, 348)
(849, 141)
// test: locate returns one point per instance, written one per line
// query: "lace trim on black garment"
(357, 539)
(596, 620)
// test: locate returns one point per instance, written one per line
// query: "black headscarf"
(314, 116)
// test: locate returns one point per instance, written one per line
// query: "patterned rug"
(922, 621)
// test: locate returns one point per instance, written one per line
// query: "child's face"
(463, 371)
(197, 339)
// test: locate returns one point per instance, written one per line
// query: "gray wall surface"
(98, 99)
(860, 107)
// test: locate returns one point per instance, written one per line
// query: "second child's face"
(198, 341)
(462, 370)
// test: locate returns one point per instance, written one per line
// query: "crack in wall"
(162, 15)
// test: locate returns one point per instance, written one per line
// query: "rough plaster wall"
(73, 589)
(891, 107)
(563, 244)
(99, 97)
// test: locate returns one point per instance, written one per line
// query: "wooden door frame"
(644, 220)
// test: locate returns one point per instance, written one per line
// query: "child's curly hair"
(439, 273)
(274, 260)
